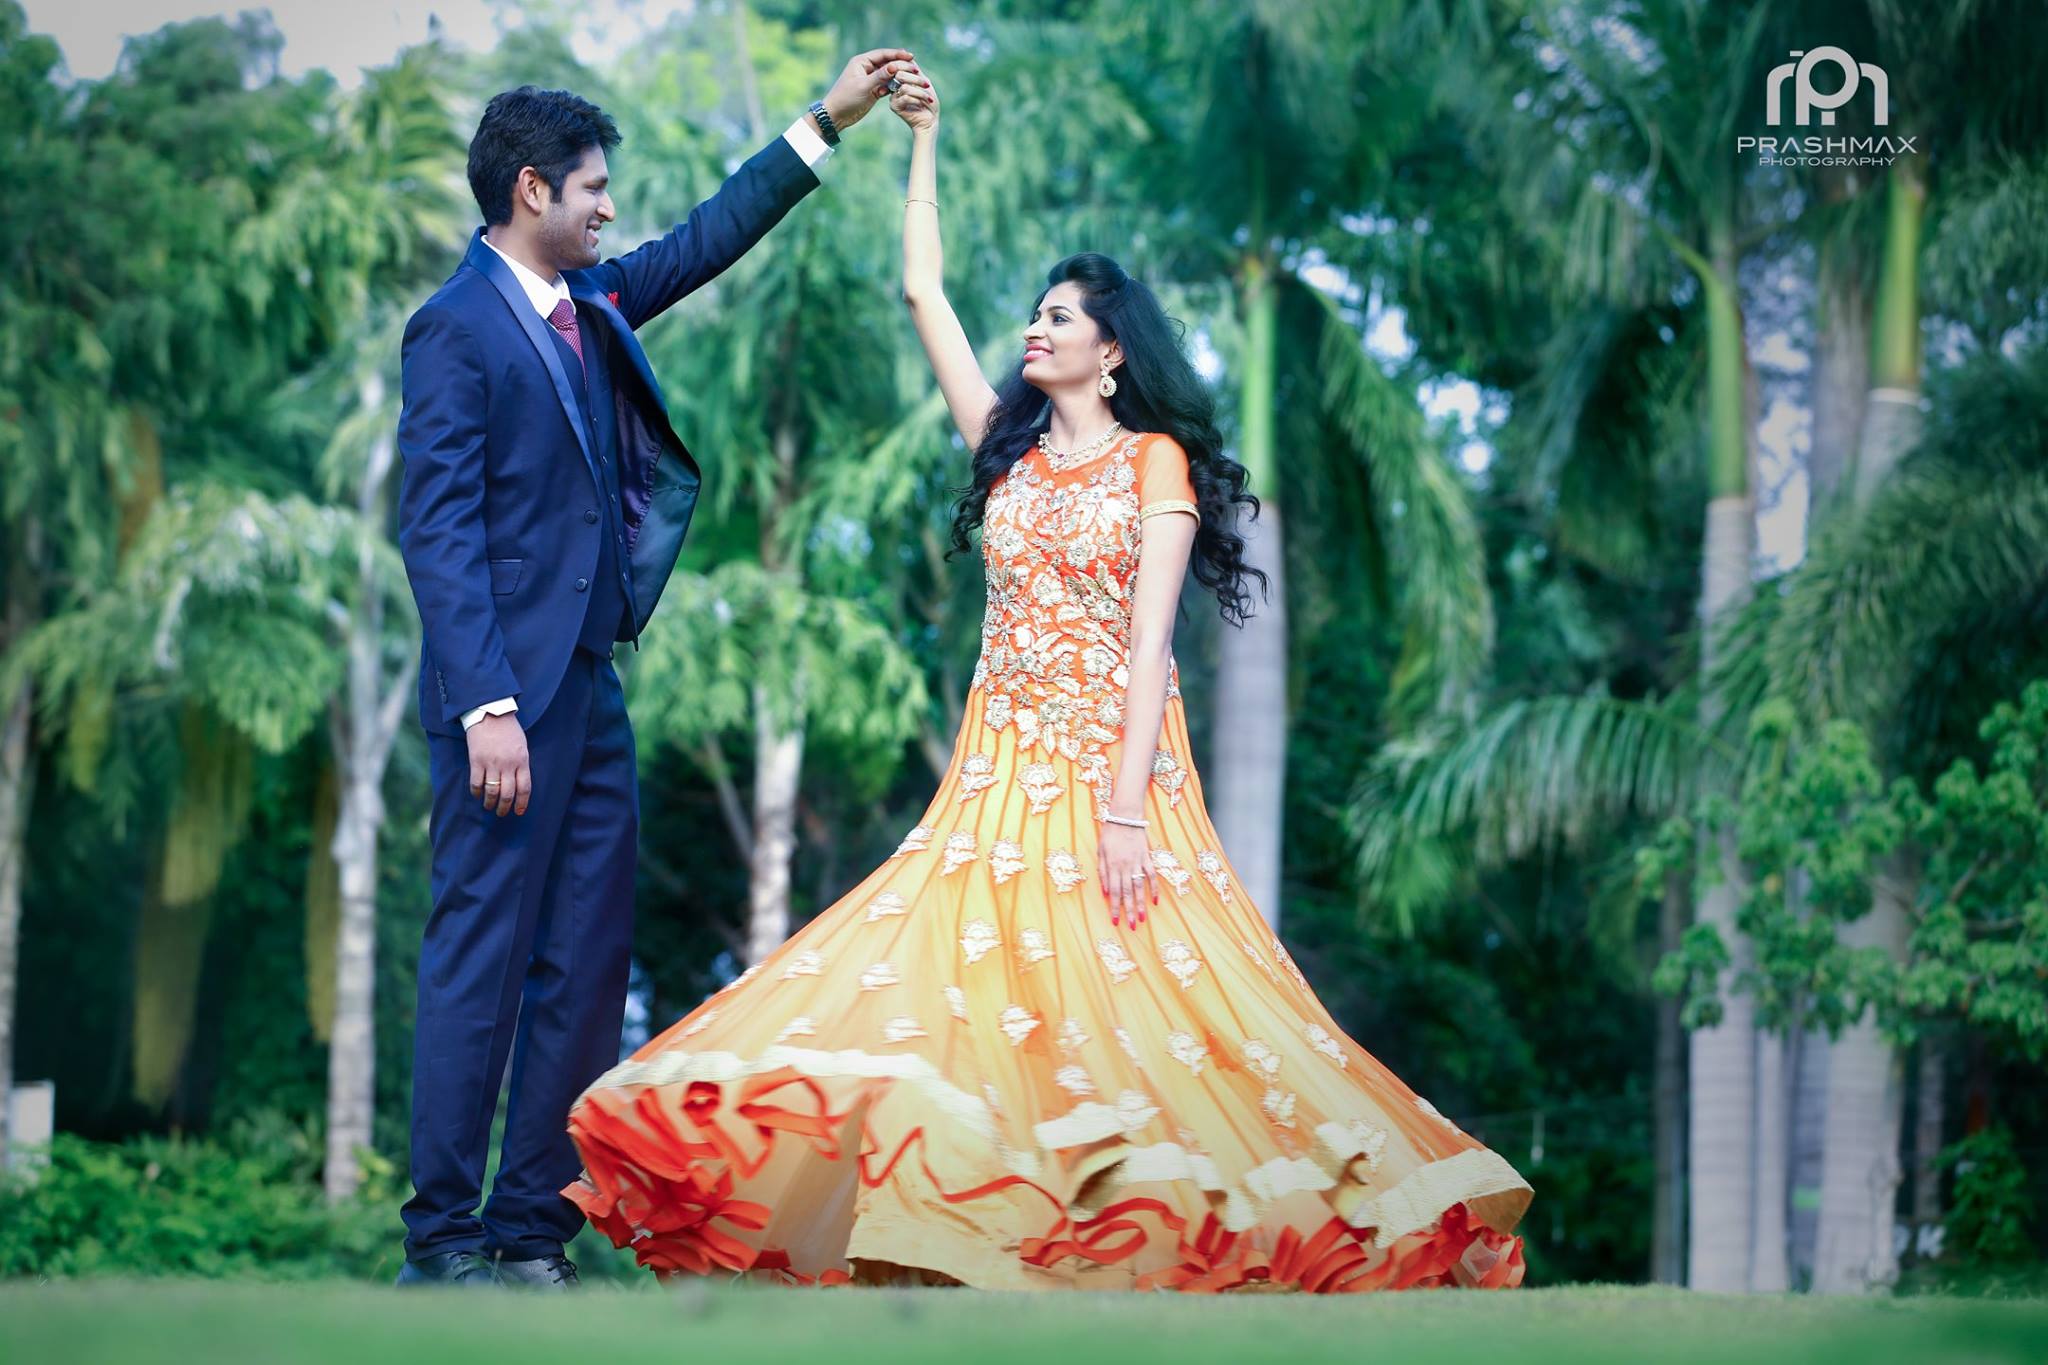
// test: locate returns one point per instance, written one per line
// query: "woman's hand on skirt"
(1123, 868)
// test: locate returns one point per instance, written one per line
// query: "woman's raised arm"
(969, 397)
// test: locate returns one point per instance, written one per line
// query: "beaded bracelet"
(1120, 820)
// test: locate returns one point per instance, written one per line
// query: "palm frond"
(1422, 511)
(1535, 774)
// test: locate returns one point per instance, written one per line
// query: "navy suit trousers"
(525, 956)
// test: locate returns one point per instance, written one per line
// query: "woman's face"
(1063, 346)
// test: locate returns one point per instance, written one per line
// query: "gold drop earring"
(1105, 385)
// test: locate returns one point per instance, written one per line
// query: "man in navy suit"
(544, 504)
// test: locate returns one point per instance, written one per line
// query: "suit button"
(590, 515)
(582, 585)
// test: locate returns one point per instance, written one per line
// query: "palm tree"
(1294, 115)
(368, 222)
(1632, 136)
(1958, 53)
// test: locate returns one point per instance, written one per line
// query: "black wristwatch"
(825, 124)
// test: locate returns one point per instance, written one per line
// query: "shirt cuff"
(504, 706)
(805, 142)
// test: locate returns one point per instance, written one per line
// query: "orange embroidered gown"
(962, 1072)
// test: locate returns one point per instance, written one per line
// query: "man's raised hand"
(865, 80)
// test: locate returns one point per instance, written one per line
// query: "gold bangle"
(908, 202)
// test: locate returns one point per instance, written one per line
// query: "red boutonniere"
(614, 297)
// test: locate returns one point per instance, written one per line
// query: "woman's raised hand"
(914, 100)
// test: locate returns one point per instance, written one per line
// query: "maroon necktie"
(563, 319)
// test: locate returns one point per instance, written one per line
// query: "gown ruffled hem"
(672, 1142)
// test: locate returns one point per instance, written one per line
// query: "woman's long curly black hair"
(1157, 391)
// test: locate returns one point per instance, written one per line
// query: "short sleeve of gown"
(1163, 481)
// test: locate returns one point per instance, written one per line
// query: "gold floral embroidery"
(1280, 953)
(1169, 869)
(1165, 505)
(1180, 959)
(742, 979)
(1134, 1109)
(803, 1026)
(1041, 784)
(1319, 1038)
(1254, 955)
(1074, 1080)
(699, 1024)
(1017, 1022)
(902, 1029)
(1064, 869)
(878, 976)
(1370, 1141)
(1115, 959)
(1033, 946)
(1169, 775)
(1123, 1040)
(1061, 554)
(977, 774)
(1072, 1036)
(1187, 1049)
(1426, 1107)
(806, 963)
(886, 904)
(1005, 860)
(1261, 1058)
(977, 938)
(1279, 1106)
(916, 841)
(956, 1002)
(1211, 867)
(959, 851)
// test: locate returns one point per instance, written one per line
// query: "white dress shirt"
(804, 141)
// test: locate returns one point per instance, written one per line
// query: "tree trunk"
(17, 783)
(1667, 1208)
(1248, 766)
(1722, 1120)
(1860, 1172)
(1891, 420)
(1841, 362)
(778, 765)
(1855, 1252)
(352, 1052)
(1769, 1268)
(1930, 1112)
(1809, 1128)
(363, 726)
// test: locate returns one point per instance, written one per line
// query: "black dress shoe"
(542, 1272)
(467, 1269)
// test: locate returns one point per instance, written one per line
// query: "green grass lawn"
(137, 1322)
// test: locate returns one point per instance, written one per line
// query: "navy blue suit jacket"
(501, 513)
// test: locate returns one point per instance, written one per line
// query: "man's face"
(569, 224)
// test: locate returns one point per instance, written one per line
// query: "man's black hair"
(549, 130)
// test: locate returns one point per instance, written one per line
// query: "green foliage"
(1823, 821)
(1991, 1205)
(247, 1204)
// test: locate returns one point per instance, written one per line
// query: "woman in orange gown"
(1049, 1043)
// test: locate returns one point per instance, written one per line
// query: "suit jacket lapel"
(586, 293)
(486, 261)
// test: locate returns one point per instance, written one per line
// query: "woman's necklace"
(1080, 455)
